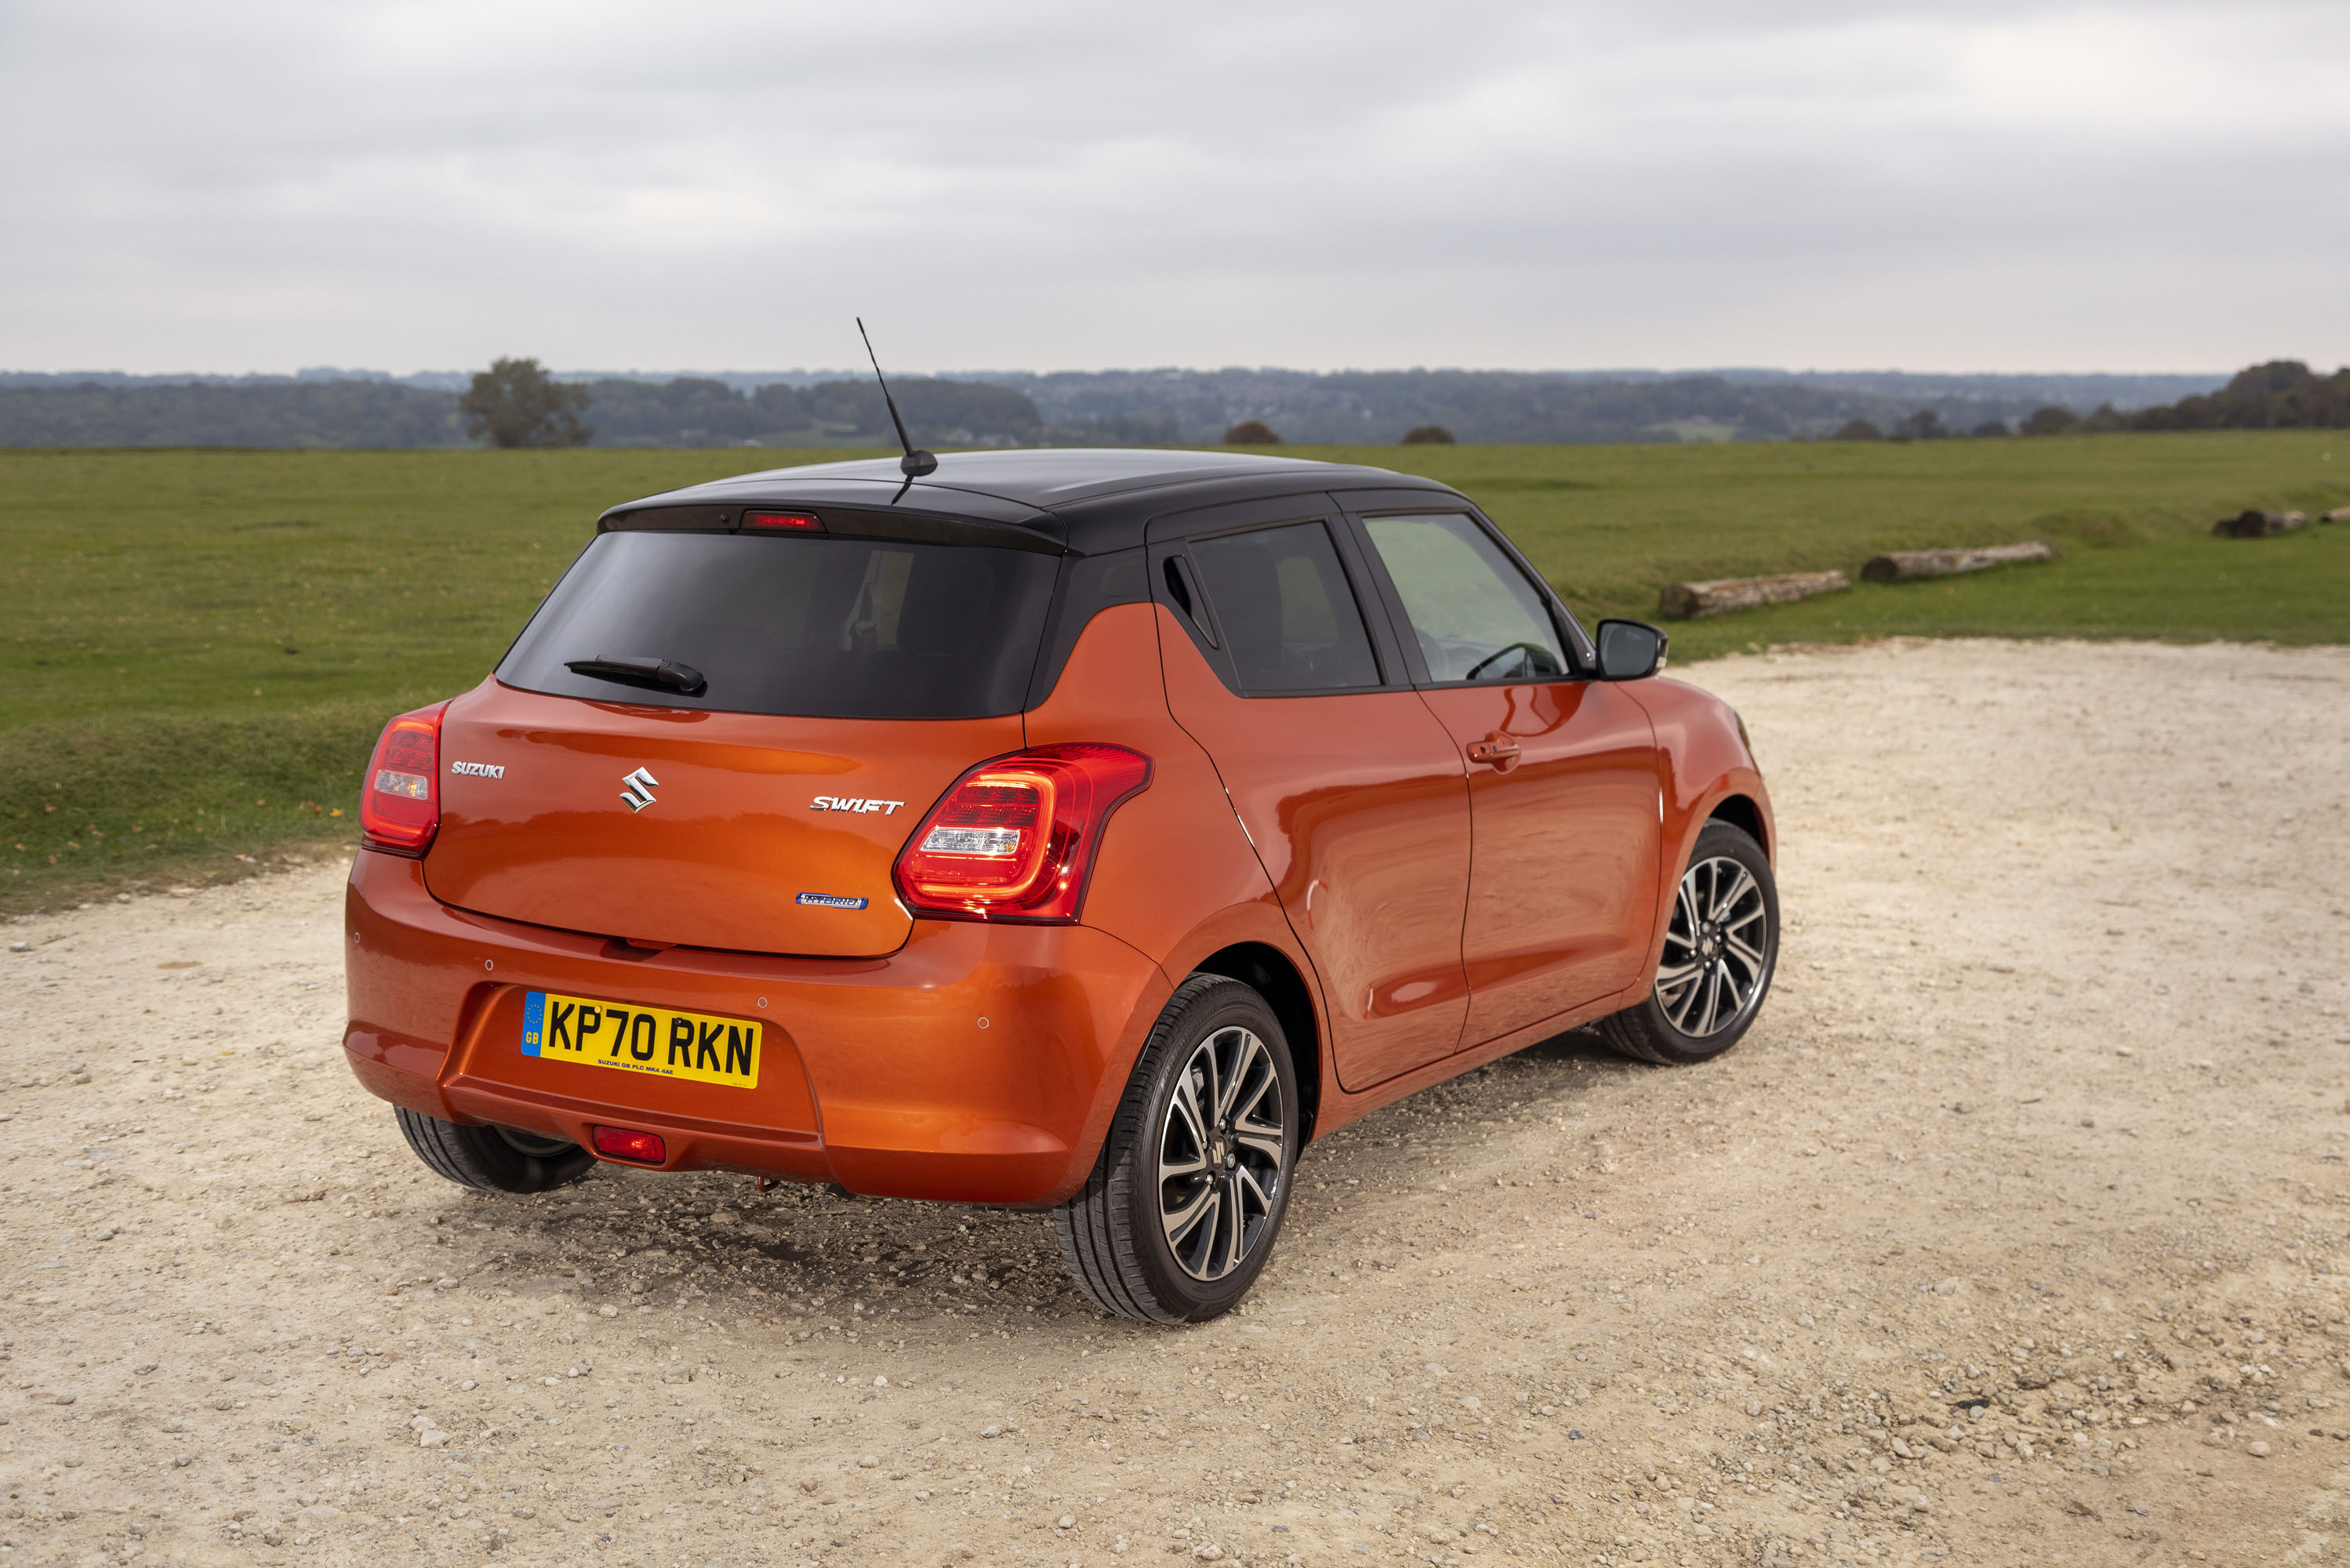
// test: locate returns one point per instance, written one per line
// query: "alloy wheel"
(1222, 1154)
(1716, 949)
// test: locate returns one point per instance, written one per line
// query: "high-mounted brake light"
(1013, 839)
(800, 522)
(399, 803)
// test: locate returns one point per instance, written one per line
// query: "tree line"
(288, 414)
(515, 402)
(2283, 394)
(518, 401)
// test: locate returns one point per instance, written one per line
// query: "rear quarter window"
(819, 626)
(1285, 603)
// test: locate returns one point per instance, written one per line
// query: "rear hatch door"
(821, 693)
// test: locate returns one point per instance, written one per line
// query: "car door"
(1564, 785)
(1354, 795)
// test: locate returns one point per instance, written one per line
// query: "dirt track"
(2010, 1235)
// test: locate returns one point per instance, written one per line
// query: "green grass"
(1611, 525)
(154, 726)
(148, 600)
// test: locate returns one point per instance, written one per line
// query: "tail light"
(790, 522)
(400, 804)
(1014, 839)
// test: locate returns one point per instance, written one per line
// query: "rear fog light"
(620, 1143)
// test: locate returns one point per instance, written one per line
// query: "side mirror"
(1630, 649)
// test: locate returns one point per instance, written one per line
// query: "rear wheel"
(493, 1158)
(1182, 1208)
(1722, 947)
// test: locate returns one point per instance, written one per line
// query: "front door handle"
(1497, 750)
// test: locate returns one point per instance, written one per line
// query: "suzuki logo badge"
(640, 791)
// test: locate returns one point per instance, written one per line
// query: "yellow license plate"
(655, 1040)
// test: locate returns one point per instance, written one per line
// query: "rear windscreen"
(825, 627)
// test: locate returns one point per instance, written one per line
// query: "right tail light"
(1014, 839)
(400, 804)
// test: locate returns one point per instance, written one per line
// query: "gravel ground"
(2010, 1235)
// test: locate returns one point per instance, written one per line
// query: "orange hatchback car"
(1077, 830)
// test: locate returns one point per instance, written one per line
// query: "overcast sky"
(231, 185)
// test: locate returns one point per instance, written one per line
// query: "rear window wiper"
(662, 674)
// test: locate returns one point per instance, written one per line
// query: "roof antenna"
(916, 462)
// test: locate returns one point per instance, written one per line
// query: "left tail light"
(399, 803)
(1014, 839)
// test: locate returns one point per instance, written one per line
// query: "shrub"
(1251, 432)
(515, 402)
(2050, 421)
(1425, 435)
(1860, 429)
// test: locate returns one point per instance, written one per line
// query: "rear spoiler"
(850, 522)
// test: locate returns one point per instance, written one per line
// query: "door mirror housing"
(1630, 649)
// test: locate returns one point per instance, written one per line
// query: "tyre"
(1182, 1208)
(1722, 947)
(493, 1158)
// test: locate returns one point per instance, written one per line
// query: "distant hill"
(335, 408)
(1375, 407)
(279, 413)
(685, 411)
(699, 411)
(1915, 388)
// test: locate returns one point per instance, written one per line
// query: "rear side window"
(823, 627)
(1284, 605)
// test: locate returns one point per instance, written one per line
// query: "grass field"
(198, 647)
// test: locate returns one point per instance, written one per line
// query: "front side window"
(1286, 609)
(1472, 612)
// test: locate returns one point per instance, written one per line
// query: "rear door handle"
(1497, 749)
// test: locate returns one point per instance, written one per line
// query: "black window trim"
(1214, 641)
(1582, 659)
(1086, 587)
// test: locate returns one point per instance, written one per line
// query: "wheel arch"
(1742, 812)
(1734, 795)
(1286, 991)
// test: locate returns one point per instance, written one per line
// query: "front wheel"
(1722, 947)
(1175, 1222)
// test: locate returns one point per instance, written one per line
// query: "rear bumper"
(977, 1063)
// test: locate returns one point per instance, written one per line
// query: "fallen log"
(1684, 601)
(1901, 565)
(2254, 523)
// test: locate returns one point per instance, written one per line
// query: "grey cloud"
(1998, 185)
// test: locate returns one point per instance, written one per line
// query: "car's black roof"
(1088, 499)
